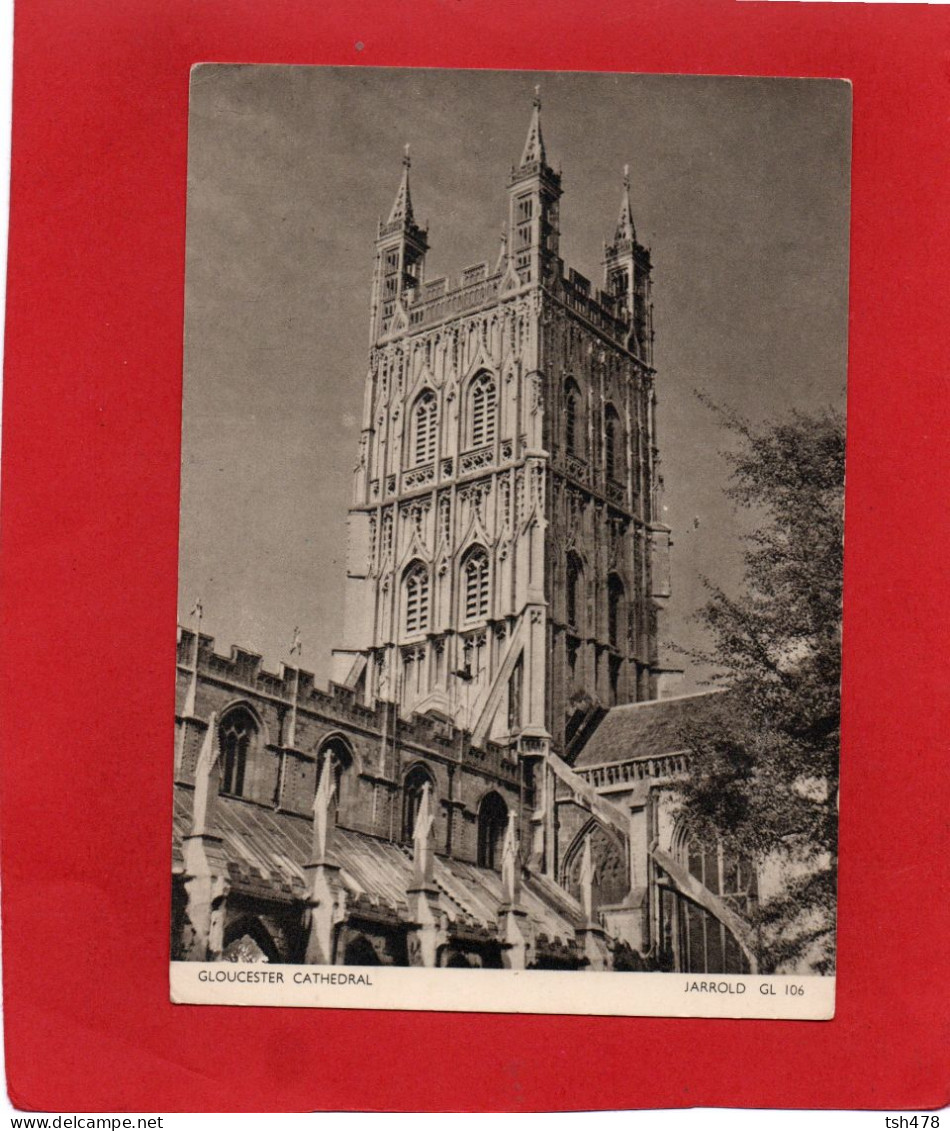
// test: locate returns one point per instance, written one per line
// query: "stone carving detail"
(537, 485)
(445, 519)
(475, 494)
(640, 769)
(417, 512)
(576, 467)
(575, 510)
(537, 392)
(475, 461)
(504, 485)
(419, 476)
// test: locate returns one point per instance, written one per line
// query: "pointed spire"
(587, 881)
(510, 867)
(422, 840)
(503, 249)
(323, 813)
(204, 794)
(534, 146)
(625, 228)
(401, 212)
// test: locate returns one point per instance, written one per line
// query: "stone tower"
(506, 563)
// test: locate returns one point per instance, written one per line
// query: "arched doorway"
(360, 952)
(248, 940)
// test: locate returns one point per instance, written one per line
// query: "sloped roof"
(644, 730)
(266, 852)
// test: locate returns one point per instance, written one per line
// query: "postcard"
(508, 669)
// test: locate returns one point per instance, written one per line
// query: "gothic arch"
(474, 584)
(704, 912)
(416, 608)
(343, 759)
(481, 401)
(253, 711)
(241, 736)
(360, 952)
(423, 431)
(613, 442)
(247, 939)
(342, 741)
(575, 438)
(413, 783)
(575, 592)
(492, 824)
(716, 866)
(609, 857)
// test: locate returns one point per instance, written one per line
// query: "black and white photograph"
(513, 434)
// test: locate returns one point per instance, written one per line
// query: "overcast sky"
(739, 186)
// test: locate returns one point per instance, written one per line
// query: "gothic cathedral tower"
(506, 564)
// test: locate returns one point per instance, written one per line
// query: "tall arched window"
(695, 940)
(483, 410)
(475, 585)
(341, 758)
(570, 419)
(237, 733)
(416, 781)
(492, 823)
(574, 591)
(611, 441)
(416, 589)
(615, 610)
(425, 419)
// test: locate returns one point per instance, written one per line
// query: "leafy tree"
(764, 762)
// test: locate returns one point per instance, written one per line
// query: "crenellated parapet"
(243, 670)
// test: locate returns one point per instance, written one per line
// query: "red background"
(89, 556)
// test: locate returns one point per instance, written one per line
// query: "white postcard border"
(596, 993)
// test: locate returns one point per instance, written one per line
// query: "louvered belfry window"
(417, 598)
(570, 420)
(611, 430)
(574, 581)
(475, 585)
(483, 405)
(425, 420)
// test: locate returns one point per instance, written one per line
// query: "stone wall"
(382, 747)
